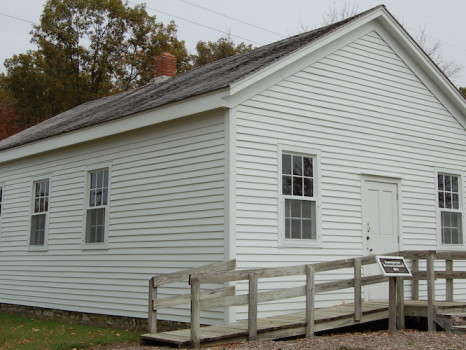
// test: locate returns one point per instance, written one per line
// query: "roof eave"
(183, 108)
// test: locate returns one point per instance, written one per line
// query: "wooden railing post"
(357, 290)
(430, 291)
(392, 305)
(310, 299)
(400, 303)
(449, 281)
(152, 316)
(415, 283)
(252, 307)
(195, 313)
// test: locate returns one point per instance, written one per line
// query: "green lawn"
(25, 333)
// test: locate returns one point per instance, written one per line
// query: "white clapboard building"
(300, 151)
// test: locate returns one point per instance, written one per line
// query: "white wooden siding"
(166, 213)
(367, 113)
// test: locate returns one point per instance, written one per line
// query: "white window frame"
(460, 175)
(306, 152)
(44, 247)
(86, 206)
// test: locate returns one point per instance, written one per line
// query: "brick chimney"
(165, 65)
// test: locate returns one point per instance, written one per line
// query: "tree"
(212, 51)
(449, 67)
(87, 49)
(463, 91)
(335, 14)
(8, 118)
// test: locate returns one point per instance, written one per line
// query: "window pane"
(307, 229)
(440, 182)
(446, 235)
(104, 196)
(286, 185)
(295, 228)
(92, 199)
(308, 187)
(455, 201)
(441, 200)
(308, 167)
(99, 179)
(447, 183)
(454, 183)
(106, 178)
(297, 186)
(295, 209)
(286, 164)
(297, 165)
(448, 200)
(98, 197)
(287, 228)
(446, 222)
(454, 236)
(307, 209)
(93, 180)
(287, 208)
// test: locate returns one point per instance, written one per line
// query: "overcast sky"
(261, 21)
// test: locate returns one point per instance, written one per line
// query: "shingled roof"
(211, 77)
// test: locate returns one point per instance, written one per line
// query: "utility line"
(199, 24)
(17, 18)
(233, 18)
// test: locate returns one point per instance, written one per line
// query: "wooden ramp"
(447, 314)
(290, 325)
(272, 327)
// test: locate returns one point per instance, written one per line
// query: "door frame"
(384, 179)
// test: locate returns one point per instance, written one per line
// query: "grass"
(28, 334)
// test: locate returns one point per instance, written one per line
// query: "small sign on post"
(393, 266)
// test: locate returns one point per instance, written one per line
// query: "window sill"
(94, 246)
(32, 248)
(449, 247)
(299, 243)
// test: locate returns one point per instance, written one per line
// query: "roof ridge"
(210, 77)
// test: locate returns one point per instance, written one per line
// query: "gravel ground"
(403, 340)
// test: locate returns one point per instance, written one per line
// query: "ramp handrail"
(226, 297)
(183, 276)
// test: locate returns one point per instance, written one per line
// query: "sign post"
(393, 267)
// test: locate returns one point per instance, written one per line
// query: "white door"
(381, 226)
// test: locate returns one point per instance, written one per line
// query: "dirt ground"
(402, 340)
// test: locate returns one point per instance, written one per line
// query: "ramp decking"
(313, 319)
(292, 324)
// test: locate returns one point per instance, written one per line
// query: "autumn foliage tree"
(8, 118)
(87, 49)
(215, 50)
